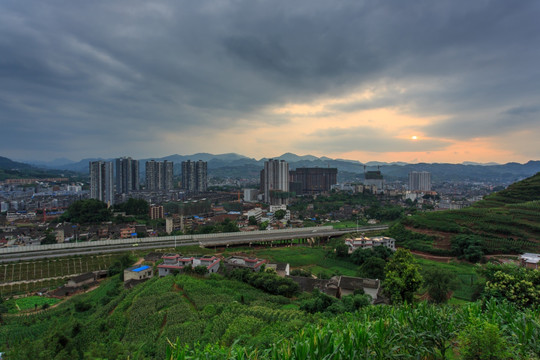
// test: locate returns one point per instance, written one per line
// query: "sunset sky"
(415, 81)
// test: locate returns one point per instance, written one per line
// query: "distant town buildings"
(275, 182)
(101, 181)
(159, 175)
(419, 181)
(127, 175)
(156, 212)
(195, 176)
(250, 195)
(310, 181)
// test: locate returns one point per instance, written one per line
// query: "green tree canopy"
(439, 282)
(87, 211)
(468, 247)
(513, 283)
(402, 277)
(280, 214)
(134, 207)
(373, 268)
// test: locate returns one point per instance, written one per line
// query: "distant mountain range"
(239, 166)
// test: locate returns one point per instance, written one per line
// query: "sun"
(414, 137)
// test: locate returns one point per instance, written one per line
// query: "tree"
(342, 250)
(280, 214)
(439, 282)
(513, 283)
(252, 220)
(200, 270)
(373, 268)
(402, 277)
(50, 238)
(482, 340)
(134, 207)
(3, 309)
(468, 247)
(87, 211)
(263, 225)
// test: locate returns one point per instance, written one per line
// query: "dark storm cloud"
(105, 77)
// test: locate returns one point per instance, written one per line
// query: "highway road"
(206, 240)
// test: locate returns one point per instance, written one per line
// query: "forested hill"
(7, 164)
(520, 192)
(505, 222)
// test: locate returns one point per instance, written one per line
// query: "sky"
(414, 81)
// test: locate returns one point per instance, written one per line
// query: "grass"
(466, 277)
(29, 303)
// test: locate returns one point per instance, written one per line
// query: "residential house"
(177, 263)
(137, 274)
(363, 242)
(241, 262)
(529, 260)
(282, 269)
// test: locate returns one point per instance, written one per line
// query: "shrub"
(482, 340)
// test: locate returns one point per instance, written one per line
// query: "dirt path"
(445, 259)
(443, 239)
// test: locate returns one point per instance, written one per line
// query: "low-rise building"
(529, 260)
(339, 286)
(81, 280)
(368, 243)
(137, 274)
(177, 263)
(282, 269)
(241, 262)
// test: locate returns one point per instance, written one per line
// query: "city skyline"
(450, 81)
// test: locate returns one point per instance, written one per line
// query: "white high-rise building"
(419, 181)
(101, 181)
(275, 182)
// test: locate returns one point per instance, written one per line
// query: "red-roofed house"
(176, 262)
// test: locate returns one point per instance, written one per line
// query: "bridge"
(33, 252)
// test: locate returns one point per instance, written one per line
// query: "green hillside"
(505, 222)
(523, 191)
(112, 322)
(184, 317)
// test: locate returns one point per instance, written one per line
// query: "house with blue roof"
(137, 274)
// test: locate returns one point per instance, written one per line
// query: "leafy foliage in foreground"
(405, 332)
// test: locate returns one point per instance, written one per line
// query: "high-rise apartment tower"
(127, 175)
(101, 181)
(275, 182)
(159, 175)
(195, 176)
(419, 181)
(309, 181)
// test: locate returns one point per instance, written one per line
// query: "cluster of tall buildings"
(278, 183)
(106, 181)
